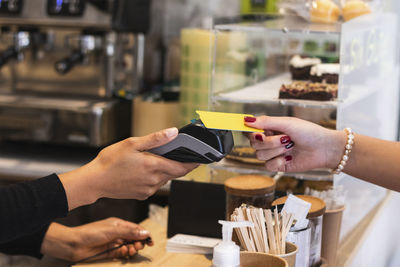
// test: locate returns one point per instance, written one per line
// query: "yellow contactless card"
(225, 121)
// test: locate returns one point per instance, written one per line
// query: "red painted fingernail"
(285, 139)
(249, 119)
(259, 137)
(290, 145)
(288, 158)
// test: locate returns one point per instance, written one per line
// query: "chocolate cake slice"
(300, 67)
(325, 73)
(301, 74)
(308, 91)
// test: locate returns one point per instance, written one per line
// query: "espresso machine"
(67, 68)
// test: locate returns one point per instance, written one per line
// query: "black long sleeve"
(27, 245)
(27, 207)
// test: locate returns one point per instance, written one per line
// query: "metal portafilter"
(9, 53)
(22, 40)
(64, 65)
(81, 46)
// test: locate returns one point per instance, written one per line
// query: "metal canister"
(302, 239)
(315, 216)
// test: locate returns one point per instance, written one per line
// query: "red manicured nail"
(259, 137)
(285, 139)
(288, 158)
(249, 119)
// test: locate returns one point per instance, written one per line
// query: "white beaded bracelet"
(348, 147)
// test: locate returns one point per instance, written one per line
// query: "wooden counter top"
(156, 255)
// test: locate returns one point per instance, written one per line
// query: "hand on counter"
(124, 170)
(76, 243)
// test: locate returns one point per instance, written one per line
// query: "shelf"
(267, 92)
(8, 98)
(308, 103)
(247, 168)
(35, 101)
(287, 24)
(27, 161)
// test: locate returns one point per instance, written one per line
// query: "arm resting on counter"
(76, 243)
(28, 206)
(81, 242)
(27, 245)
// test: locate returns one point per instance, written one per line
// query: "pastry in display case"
(308, 90)
(325, 73)
(355, 8)
(324, 11)
(300, 67)
(244, 154)
(329, 11)
(312, 80)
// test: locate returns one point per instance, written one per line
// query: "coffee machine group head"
(81, 47)
(23, 39)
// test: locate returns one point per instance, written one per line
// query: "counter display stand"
(251, 62)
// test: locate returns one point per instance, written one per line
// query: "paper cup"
(330, 234)
(258, 259)
(290, 256)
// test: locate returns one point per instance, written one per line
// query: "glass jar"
(254, 190)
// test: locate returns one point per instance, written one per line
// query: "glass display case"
(251, 62)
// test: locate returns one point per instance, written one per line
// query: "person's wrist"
(80, 186)
(60, 242)
(336, 143)
(97, 173)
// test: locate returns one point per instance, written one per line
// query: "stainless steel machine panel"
(63, 120)
(57, 55)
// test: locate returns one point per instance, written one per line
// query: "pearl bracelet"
(348, 147)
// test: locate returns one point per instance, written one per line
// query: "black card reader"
(198, 144)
